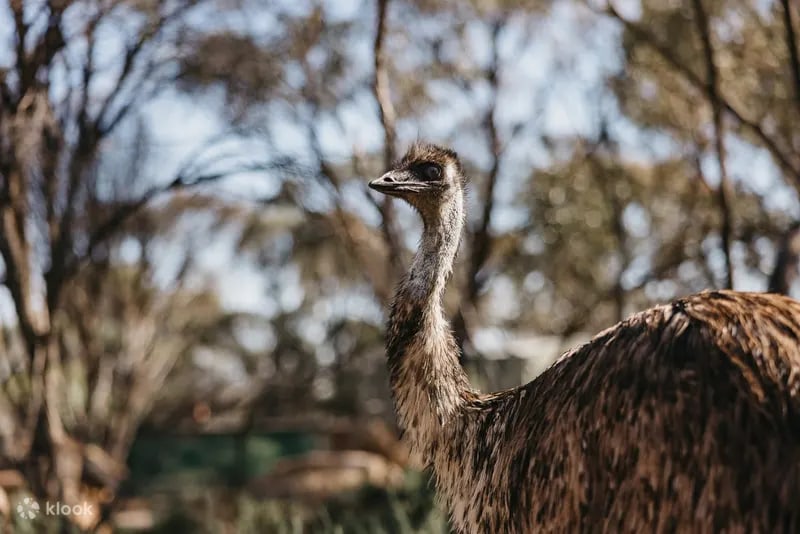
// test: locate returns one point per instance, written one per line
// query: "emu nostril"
(388, 178)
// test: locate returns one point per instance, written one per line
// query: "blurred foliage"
(370, 510)
(165, 464)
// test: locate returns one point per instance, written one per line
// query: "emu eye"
(431, 172)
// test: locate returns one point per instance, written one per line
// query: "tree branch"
(380, 89)
(102, 122)
(126, 211)
(481, 239)
(61, 230)
(380, 287)
(21, 31)
(15, 251)
(380, 86)
(724, 192)
(791, 44)
(783, 159)
(786, 262)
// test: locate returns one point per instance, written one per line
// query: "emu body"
(685, 417)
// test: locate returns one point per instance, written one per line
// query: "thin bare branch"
(791, 44)
(60, 229)
(126, 211)
(21, 31)
(103, 123)
(327, 171)
(481, 238)
(482, 241)
(380, 86)
(787, 261)
(380, 89)
(724, 191)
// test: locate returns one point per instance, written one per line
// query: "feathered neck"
(428, 384)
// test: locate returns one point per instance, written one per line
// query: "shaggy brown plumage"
(685, 417)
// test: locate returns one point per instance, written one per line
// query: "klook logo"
(28, 508)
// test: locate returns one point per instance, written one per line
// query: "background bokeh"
(195, 276)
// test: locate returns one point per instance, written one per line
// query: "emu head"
(428, 177)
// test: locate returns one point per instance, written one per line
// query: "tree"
(65, 204)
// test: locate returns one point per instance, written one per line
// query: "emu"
(684, 417)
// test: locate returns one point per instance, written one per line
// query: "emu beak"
(398, 183)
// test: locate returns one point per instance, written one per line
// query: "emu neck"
(428, 384)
